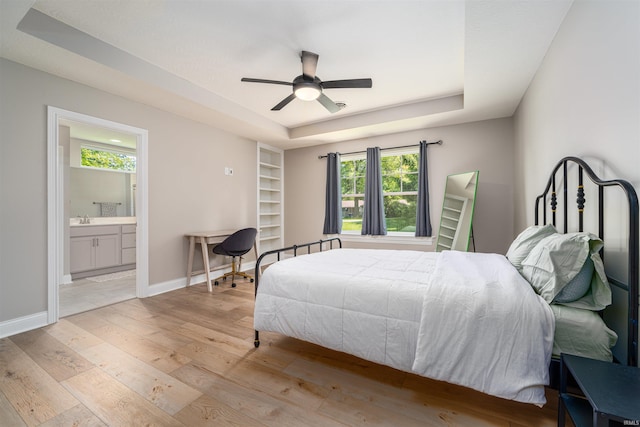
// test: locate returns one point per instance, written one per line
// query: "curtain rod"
(439, 142)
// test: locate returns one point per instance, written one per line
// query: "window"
(107, 159)
(352, 175)
(399, 186)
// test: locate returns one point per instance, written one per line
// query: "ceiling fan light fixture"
(307, 92)
(308, 87)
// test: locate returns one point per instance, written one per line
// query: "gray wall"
(486, 146)
(585, 101)
(188, 190)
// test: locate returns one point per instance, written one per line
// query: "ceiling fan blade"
(328, 103)
(275, 82)
(347, 84)
(284, 102)
(309, 64)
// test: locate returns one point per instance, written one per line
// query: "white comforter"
(464, 318)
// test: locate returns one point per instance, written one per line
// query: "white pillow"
(526, 241)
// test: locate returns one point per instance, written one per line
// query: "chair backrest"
(239, 243)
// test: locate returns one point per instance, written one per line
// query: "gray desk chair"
(236, 245)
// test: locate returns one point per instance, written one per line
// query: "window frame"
(394, 236)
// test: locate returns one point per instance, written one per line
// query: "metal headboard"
(551, 193)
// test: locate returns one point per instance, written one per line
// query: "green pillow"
(556, 261)
(526, 241)
(583, 333)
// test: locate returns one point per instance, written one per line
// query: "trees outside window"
(400, 191)
(112, 160)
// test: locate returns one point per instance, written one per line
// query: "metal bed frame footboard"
(631, 287)
(294, 249)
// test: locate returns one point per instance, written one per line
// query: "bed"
(485, 321)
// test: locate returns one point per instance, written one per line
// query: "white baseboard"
(172, 285)
(161, 288)
(23, 324)
(66, 279)
(38, 320)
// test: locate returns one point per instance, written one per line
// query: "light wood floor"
(186, 358)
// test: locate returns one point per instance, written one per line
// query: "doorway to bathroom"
(98, 246)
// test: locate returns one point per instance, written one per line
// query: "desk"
(205, 238)
(610, 390)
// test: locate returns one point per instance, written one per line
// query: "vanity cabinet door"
(96, 247)
(107, 251)
(82, 253)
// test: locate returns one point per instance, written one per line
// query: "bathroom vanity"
(104, 245)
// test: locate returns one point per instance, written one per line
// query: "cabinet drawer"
(129, 256)
(128, 241)
(94, 230)
(129, 228)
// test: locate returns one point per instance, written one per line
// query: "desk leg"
(205, 261)
(192, 249)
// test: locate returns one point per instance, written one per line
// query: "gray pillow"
(578, 286)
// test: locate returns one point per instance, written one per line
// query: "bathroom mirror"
(101, 170)
(457, 212)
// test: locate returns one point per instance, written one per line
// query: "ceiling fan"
(308, 87)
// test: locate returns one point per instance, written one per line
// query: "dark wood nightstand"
(611, 392)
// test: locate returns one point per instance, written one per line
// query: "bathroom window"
(107, 159)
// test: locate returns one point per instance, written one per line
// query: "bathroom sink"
(75, 222)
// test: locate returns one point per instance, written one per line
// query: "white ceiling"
(432, 62)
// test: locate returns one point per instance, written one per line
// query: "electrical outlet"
(228, 171)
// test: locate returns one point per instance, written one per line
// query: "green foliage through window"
(107, 160)
(400, 192)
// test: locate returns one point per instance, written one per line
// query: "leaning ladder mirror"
(457, 212)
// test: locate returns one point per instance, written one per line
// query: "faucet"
(84, 220)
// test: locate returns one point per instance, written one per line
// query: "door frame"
(55, 204)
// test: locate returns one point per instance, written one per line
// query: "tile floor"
(87, 294)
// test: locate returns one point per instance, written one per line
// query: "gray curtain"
(333, 197)
(423, 218)
(373, 221)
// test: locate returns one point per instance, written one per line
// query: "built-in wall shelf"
(270, 198)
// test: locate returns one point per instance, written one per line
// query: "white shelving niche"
(270, 198)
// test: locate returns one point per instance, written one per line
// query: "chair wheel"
(215, 283)
(233, 285)
(250, 280)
